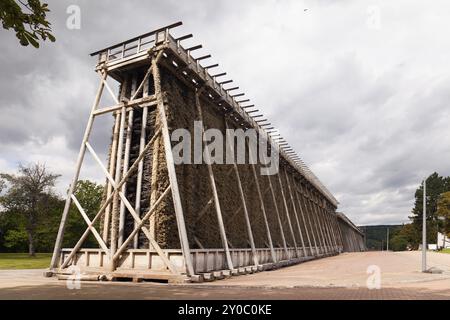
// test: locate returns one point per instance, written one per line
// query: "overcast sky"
(359, 89)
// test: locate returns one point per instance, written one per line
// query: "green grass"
(24, 261)
(445, 250)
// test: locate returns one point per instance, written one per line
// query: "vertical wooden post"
(338, 230)
(287, 213)
(154, 180)
(327, 226)
(244, 205)
(327, 229)
(171, 169)
(295, 213)
(305, 213)
(263, 209)
(312, 220)
(318, 226)
(112, 166)
(126, 157)
(81, 153)
(274, 198)
(116, 200)
(212, 181)
(155, 166)
(320, 222)
(333, 230)
(140, 172)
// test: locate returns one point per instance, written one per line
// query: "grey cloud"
(367, 109)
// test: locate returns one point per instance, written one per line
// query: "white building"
(442, 241)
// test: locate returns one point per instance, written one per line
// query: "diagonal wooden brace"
(89, 223)
(109, 199)
(140, 226)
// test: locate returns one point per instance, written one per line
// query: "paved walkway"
(339, 277)
(350, 270)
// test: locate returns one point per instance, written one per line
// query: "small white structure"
(443, 242)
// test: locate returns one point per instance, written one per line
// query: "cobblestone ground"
(340, 277)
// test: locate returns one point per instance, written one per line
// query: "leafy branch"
(28, 19)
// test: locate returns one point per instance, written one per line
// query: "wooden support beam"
(243, 204)
(324, 227)
(171, 170)
(274, 199)
(291, 229)
(81, 153)
(112, 94)
(263, 210)
(108, 200)
(325, 214)
(295, 212)
(92, 229)
(305, 212)
(112, 165)
(126, 163)
(212, 181)
(205, 209)
(140, 102)
(117, 177)
(317, 223)
(199, 244)
(141, 85)
(140, 226)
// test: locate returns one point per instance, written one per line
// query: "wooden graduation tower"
(164, 221)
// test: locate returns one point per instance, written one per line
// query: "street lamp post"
(424, 228)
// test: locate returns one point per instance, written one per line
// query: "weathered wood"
(316, 214)
(112, 166)
(244, 205)
(144, 102)
(112, 94)
(274, 199)
(291, 229)
(295, 213)
(154, 179)
(117, 177)
(313, 219)
(107, 201)
(306, 213)
(263, 210)
(89, 223)
(222, 231)
(126, 163)
(140, 168)
(81, 153)
(140, 226)
(171, 171)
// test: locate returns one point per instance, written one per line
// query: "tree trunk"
(30, 230)
(31, 249)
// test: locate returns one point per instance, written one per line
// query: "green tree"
(28, 196)
(28, 19)
(403, 238)
(436, 185)
(443, 212)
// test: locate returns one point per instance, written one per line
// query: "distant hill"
(376, 235)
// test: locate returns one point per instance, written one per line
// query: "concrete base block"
(48, 273)
(218, 275)
(196, 278)
(226, 273)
